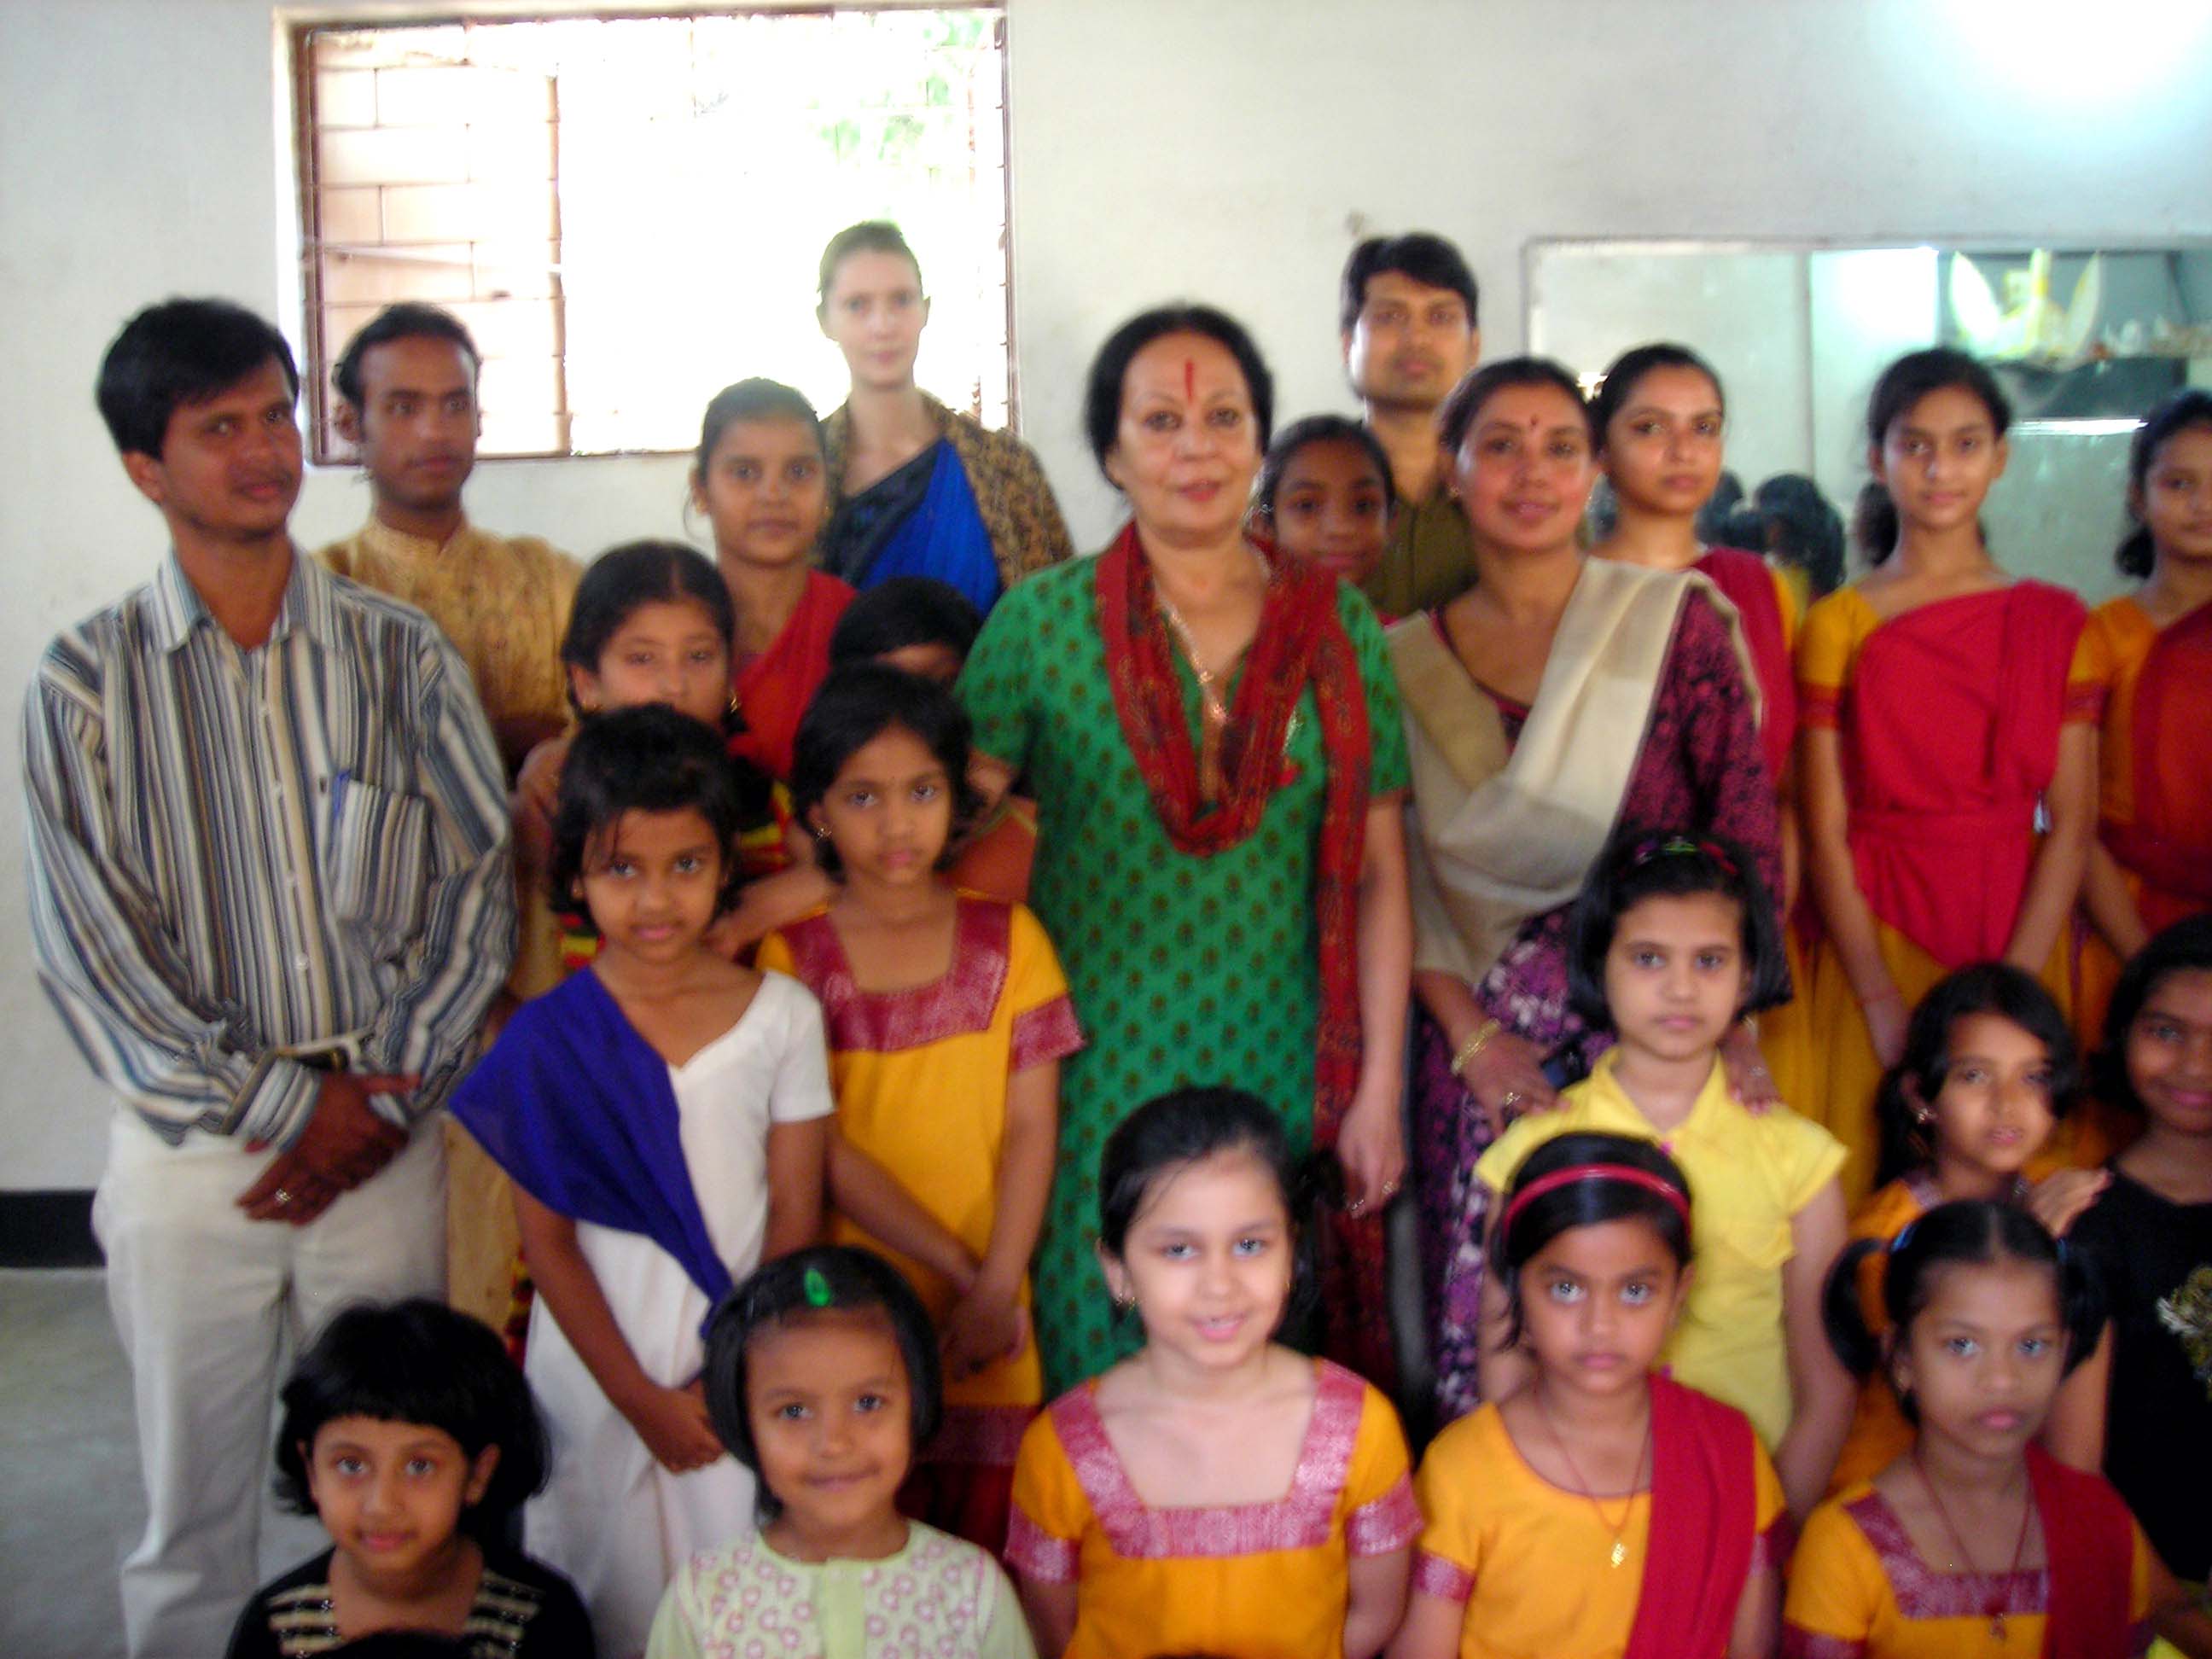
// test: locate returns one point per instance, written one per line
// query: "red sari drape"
(1745, 582)
(773, 689)
(2168, 839)
(1954, 709)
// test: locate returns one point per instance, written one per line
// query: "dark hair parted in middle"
(1967, 1232)
(2181, 947)
(645, 759)
(411, 319)
(1981, 988)
(756, 399)
(1178, 1128)
(1319, 429)
(2191, 407)
(900, 611)
(1631, 367)
(1477, 387)
(1643, 864)
(823, 1280)
(180, 352)
(1101, 392)
(1591, 1196)
(1875, 523)
(420, 1362)
(856, 704)
(1420, 255)
(624, 579)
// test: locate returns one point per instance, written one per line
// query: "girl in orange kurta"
(1990, 1070)
(1947, 750)
(948, 1018)
(2151, 654)
(1603, 1510)
(1976, 1540)
(1216, 1492)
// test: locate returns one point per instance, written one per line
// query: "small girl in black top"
(2149, 1236)
(412, 1435)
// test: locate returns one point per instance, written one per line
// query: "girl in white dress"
(664, 1114)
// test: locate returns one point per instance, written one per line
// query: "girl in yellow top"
(947, 1018)
(1669, 947)
(1602, 1512)
(1990, 1067)
(1976, 1540)
(1216, 1492)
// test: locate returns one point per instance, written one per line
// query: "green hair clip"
(817, 1289)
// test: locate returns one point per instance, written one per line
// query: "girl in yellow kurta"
(1945, 713)
(1671, 943)
(1216, 1492)
(2150, 652)
(1602, 1512)
(1989, 1072)
(1976, 1540)
(947, 1018)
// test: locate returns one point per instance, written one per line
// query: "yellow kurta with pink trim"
(1260, 1581)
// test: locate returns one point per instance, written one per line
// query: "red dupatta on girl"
(2168, 841)
(1301, 642)
(2089, 1540)
(1703, 1526)
(1745, 582)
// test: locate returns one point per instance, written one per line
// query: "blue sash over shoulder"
(579, 1110)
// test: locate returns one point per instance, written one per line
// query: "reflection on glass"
(2084, 340)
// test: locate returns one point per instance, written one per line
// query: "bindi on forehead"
(1189, 380)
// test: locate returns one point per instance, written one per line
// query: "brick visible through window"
(627, 212)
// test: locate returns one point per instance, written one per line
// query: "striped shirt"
(239, 855)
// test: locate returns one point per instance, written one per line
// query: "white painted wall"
(1227, 150)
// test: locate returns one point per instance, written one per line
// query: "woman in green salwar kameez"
(1212, 738)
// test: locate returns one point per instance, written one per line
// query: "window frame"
(318, 355)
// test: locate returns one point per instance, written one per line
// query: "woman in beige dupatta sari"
(1555, 702)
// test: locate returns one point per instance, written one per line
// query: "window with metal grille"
(627, 212)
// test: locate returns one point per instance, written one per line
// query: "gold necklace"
(1995, 1609)
(1217, 709)
(1619, 1552)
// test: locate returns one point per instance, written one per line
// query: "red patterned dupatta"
(1301, 642)
(1703, 1526)
(2168, 841)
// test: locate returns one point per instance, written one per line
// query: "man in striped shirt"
(271, 897)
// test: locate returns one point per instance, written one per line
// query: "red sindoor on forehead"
(1189, 382)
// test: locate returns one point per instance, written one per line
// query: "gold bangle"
(1474, 1045)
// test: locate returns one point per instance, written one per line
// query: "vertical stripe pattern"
(238, 853)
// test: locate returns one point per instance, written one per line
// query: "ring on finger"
(1512, 1099)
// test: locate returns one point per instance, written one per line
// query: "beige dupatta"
(1501, 834)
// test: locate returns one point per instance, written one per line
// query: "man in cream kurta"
(407, 401)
